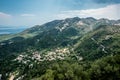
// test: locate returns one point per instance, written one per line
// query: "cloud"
(110, 12)
(28, 15)
(107, 1)
(5, 18)
(4, 15)
(18, 20)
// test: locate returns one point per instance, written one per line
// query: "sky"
(36, 12)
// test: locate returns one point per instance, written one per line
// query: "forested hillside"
(69, 49)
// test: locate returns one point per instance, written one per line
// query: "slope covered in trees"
(70, 49)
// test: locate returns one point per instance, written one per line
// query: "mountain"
(102, 41)
(58, 32)
(37, 52)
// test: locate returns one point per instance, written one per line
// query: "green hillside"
(100, 42)
(69, 49)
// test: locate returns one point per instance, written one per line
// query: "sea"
(11, 30)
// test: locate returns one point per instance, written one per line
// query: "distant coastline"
(11, 30)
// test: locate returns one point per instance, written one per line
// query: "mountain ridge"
(73, 40)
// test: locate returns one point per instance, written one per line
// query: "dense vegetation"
(107, 68)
